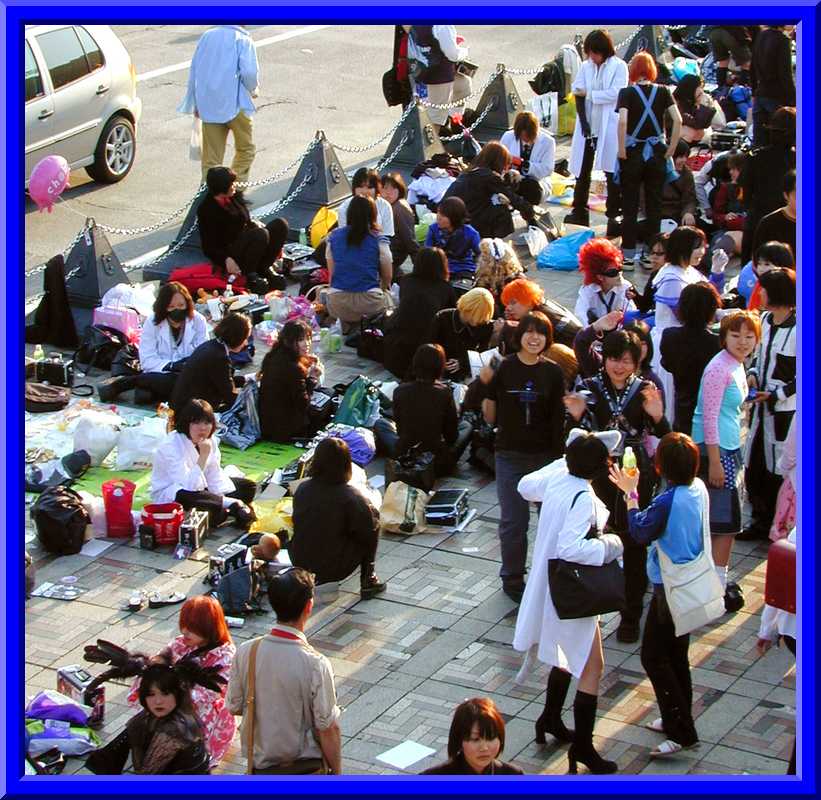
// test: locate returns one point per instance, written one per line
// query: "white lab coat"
(176, 467)
(542, 156)
(601, 86)
(157, 345)
(563, 643)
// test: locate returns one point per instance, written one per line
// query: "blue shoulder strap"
(648, 113)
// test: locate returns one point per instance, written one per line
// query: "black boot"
(576, 217)
(550, 721)
(584, 713)
(369, 584)
(111, 388)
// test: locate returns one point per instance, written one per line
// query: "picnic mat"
(256, 462)
(596, 202)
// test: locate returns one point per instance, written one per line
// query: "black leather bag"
(126, 362)
(61, 519)
(370, 343)
(396, 92)
(585, 590)
(98, 347)
(416, 468)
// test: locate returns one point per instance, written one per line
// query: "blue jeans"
(511, 467)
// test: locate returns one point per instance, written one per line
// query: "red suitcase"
(779, 585)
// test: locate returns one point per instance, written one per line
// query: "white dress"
(176, 467)
(563, 643)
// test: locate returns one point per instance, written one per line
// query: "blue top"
(223, 75)
(356, 268)
(723, 391)
(673, 522)
(461, 246)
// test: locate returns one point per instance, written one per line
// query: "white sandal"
(668, 748)
(656, 726)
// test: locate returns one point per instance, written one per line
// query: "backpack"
(239, 592)
(99, 345)
(360, 405)
(324, 221)
(61, 519)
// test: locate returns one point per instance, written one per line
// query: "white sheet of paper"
(405, 754)
(283, 558)
(377, 481)
(93, 547)
(478, 360)
(273, 491)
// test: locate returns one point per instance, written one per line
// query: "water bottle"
(38, 354)
(229, 287)
(628, 462)
(303, 236)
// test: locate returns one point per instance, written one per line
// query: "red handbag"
(779, 585)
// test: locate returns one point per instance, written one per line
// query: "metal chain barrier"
(469, 129)
(387, 160)
(284, 171)
(286, 200)
(156, 226)
(405, 114)
(478, 93)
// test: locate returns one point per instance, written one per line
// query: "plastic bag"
(49, 704)
(267, 332)
(360, 405)
(138, 444)
(535, 239)
(546, 109)
(280, 305)
(567, 116)
(360, 442)
(195, 143)
(70, 740)
(239, 426)
(274, 516)
(563, 254)
(97, 434)
(139, 297)
(403, 509)
(57, 472)
(95, 506)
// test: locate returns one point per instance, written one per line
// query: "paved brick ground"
(442, 633)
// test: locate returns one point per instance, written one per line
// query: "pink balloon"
(48, 180)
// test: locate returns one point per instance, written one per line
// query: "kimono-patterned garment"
(217, 722)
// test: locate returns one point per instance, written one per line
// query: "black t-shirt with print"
(629, 99)
(529, 407)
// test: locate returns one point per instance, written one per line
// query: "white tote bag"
(546, 109)
(693, 590)
(195, 144)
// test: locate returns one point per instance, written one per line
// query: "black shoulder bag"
(584, 590)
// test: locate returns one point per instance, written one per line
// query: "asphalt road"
(328, 79)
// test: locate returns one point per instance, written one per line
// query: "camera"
(55, 371)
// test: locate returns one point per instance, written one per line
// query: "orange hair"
(203, 615)
(597, 256)
(523, 291)
(642, 65)
(735, 321)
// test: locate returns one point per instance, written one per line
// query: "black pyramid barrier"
(327, 185)
(422, 141)
(654, 40)
(97, 268)
(505, 103)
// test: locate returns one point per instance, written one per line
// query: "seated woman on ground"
(403, 242)
(422, 294)
(424, 414)
(336, 528)
(187, 469)
(287, 379)
(497, 266)
(360, 266)
(464, 328)
(452, 233)
(532, 152)
(167, 340)
(604, 288)
(208, 373)
(700, 114)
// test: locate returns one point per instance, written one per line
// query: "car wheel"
(116, 151)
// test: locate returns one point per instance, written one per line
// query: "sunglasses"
(611, 273)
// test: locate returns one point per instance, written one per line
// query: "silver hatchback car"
(81, 99)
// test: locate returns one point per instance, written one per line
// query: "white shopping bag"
(546, 109)
(195, 145)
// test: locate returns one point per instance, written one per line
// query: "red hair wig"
(203, 615)
(597, 256)
(523, 291)
(641, 66)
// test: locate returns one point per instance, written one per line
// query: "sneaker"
(733, 598)
(628, 265)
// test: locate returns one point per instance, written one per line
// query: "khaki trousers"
(442, 93)
(215, 138)
(351, 307)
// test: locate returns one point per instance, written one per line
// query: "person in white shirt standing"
(223, 79)
(595, 138)
(434, 52)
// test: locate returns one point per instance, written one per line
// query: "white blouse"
(159, 348)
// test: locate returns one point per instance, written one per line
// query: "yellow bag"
(321, 224)
(567, 116)
(274, 516)
(559, 184)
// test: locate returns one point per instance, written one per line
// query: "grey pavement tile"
(369, 706)
(724, 760)
(723, 716)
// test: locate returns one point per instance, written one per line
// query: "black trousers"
(244, 490)
(761, 484)
(256, 249)
(160, 384)
(581, 193)
(447, 458)
(665, 660)
(635, 578)
(493, 222)
(634, 173)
